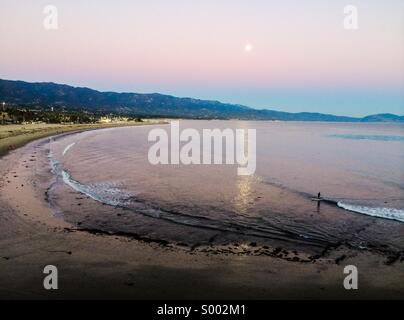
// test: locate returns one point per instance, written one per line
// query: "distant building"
(105, 120)
(113, 119)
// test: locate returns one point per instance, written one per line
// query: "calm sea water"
(359, 166)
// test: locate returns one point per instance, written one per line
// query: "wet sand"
(94, 264)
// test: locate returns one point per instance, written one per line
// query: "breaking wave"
(106, 193)
(386, 213)
(68, 148)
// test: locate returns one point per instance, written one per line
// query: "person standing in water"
(318, 202)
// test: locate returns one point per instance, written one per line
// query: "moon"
(248, 47)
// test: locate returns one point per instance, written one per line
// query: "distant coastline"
(52, 97)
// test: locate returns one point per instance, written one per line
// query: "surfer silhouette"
(319, 195)
(318, 202)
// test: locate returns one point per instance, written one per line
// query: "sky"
(288, 55)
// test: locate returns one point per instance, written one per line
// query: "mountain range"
(45, 94)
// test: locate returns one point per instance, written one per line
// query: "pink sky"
(198, 47)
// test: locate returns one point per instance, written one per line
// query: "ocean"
(103, 180)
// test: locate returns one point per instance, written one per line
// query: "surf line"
(68, 148)
(377, 212)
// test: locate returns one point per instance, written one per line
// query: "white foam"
(68, 148)
(386, 213)
(53, 163)
(104, 193)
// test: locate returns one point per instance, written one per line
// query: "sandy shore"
(104, 266)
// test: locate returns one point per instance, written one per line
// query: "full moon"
(248, 47)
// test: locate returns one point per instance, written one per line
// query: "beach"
(14, 136)
(109, 265)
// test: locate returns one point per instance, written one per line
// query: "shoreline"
(115, 266)
(13, 137)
